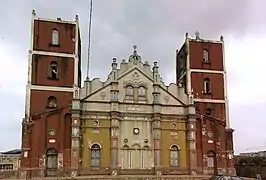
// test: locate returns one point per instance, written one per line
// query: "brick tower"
(200, 68)
(54, 74)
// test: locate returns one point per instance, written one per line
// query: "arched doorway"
(51, 162)
(212, 162)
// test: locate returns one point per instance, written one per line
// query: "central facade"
(134, 122)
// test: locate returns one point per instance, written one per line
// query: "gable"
(136, 74)
(102, 94)
(167, 98)
(135, 78)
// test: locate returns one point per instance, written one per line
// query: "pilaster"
(230, 152)
(114, 142)
(114, 92)
(76, 134)
(26, 144)
(157, 141)
(191, 142)
(191, 136)
(156, 119)
(75, 142)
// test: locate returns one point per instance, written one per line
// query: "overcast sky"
(158, 28)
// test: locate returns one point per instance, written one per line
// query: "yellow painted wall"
(9, 159)
(102, 138)
(168, 140)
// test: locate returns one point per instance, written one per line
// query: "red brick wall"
(218, 142)
(43, 37)
(40, 136)
(40, 71)
(215, 55)
(217, 88)
(39, 100)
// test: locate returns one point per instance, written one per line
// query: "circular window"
(173, 125)
(96, 123)
(52, 132)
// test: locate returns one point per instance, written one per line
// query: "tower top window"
(207, 86)
(205, 56)
(55, 37)
(52, 102)
(53, 71)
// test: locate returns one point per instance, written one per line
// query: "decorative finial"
(197, 35)
(135, 47)
(186, 35)
(33, 12)
(114, 64)
(222, 38)
(77, 17)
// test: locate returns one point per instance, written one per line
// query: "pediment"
(136, 74)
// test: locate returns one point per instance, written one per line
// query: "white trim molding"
(58, 20)
(207, 71)
(204, 41)
(28, 91)
(188, 77)
(227, 121)
(209, 100)
(46, 53)
(76, 66)
(51, 88)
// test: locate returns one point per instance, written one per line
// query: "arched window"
(205, 56)
(95, 155)
(51, 159)
(146, 157)
(207, 86)
(174, 156)
(129, 92)
(126, 157)
(51, 102)
(142, 91)
(55, 37)
(53, 70)
(135, 157)
(210, 159)
(142, 94)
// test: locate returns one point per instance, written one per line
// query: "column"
(191, 140)
(230, 152)
(114, 92)
(191, 136)
(75, 135)
(26, 144)
(157, 143)
(114, 142)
